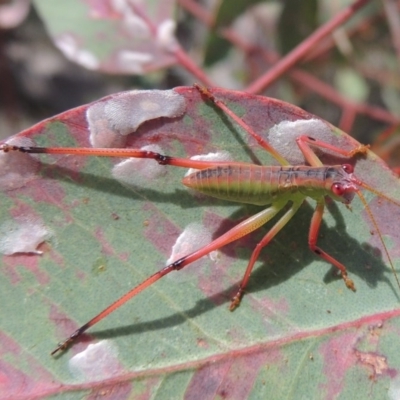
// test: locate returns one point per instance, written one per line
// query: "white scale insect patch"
(139, 171)
(97, 362)
(16, 168)
(23, 235)
(283, 136)
(191, 239)
(112, 119)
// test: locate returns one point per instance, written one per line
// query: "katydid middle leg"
(305, 142)
(264, 242)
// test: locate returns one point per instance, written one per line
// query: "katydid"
(278, 188)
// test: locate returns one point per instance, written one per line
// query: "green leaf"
(298, 332)
(298, 20)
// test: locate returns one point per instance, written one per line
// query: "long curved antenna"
(372, 218)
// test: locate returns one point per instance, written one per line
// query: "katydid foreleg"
(312, 242)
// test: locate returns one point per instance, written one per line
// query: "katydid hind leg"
(242, 229)
(118, 153)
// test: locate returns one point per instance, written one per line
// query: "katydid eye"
(337, 189)
(348, 168)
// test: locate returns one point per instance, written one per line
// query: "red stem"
(304, 48)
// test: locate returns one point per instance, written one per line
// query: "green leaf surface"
(298, 332)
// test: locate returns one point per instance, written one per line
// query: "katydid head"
(344, 185)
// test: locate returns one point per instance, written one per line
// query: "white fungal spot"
(137, 27)
(69, 46)
(133, 61)
(98, 362)
(166, 35)
(394, 389)
(23, 235)
(194, 237)
(139, 171)
(122, 113)
(16, 168)
(134, 24)
(219, 156)
(283, 136)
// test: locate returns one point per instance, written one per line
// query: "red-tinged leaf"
(119, 37)
(298, 332)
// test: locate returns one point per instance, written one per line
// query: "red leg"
(263, 143)
(161, 159)
(312, 242)
(264, 242)
(304, 142)
(240, 230)
(120, 153)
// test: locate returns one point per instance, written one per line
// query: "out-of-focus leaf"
(298, 20)
(351, 85)
(228, 11)
(112, 36)
(298, 332)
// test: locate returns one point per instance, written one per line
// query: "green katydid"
(278, 188)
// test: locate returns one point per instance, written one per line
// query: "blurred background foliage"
(351, 78)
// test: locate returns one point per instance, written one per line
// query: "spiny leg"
(312, 242)
(264, 242)
(260, 140)
(161, 159)
(304, 142)
(244, 228)
(119, 153)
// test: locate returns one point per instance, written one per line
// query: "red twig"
(304, 47)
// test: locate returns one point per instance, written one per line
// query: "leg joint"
(162, 160)
(178, 264)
